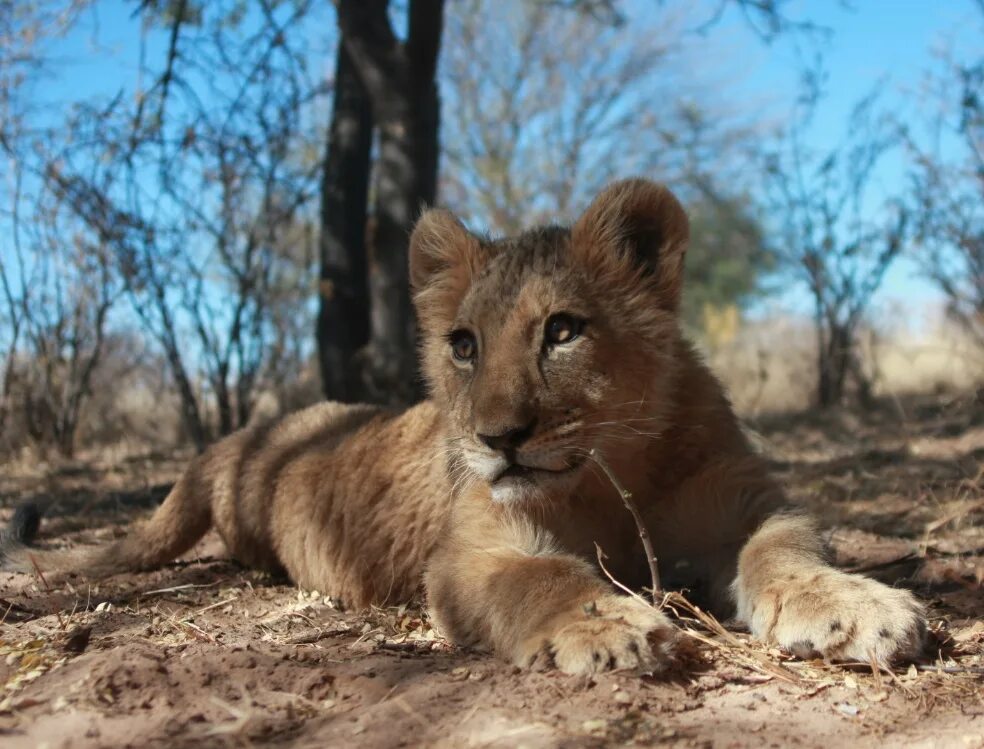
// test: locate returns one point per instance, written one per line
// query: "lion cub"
(541, 351)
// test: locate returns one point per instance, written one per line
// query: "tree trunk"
(833, 364)
(191, 415)
(223, 403)
(423, 47)
(862, 384)
(825, 395)
(400, 80)
(65, 440)
(343, 315)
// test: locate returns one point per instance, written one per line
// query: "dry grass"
(769, 367)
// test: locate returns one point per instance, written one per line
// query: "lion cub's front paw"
(840, 617)
(614, 632)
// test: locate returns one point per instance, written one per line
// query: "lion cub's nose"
(510, 439)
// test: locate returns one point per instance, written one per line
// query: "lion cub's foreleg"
(788, 594)
(504, 588)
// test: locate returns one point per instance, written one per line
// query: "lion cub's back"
(242, 471)
(358, 511)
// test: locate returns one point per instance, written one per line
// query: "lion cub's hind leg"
(789, 595)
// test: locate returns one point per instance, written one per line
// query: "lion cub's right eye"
(464, 347)
(562, 328)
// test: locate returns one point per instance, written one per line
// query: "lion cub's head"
(547, 345)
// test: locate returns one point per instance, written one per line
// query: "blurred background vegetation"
(205, 207)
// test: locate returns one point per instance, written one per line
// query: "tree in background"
(197, 190)
(947, 178)
(56, 283)
(728, 258)
(366, 341)
(57, 290)
(833, 238)
(343, 291)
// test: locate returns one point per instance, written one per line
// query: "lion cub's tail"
(182, 519)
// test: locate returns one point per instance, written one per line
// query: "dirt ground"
(205, 653)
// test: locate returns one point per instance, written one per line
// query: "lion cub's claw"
(613, 633)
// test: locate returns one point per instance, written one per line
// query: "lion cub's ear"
(636, 224)
(444, 258)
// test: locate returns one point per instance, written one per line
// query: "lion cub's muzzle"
(517, 463)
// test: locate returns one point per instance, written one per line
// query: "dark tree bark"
(832, 365)
(343, 316)
(423, 48)
(399, 78)
(191, 415)
(838, 365)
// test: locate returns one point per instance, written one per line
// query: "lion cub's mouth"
(524, 472)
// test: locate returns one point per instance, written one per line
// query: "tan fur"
(347, 499)
(356, 502)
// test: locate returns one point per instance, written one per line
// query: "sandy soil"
(205, 653)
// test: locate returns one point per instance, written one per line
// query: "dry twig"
(726, 640)
(647, 544)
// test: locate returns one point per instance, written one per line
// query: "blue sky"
(871, 41)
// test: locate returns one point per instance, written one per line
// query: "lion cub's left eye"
(562, 328)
